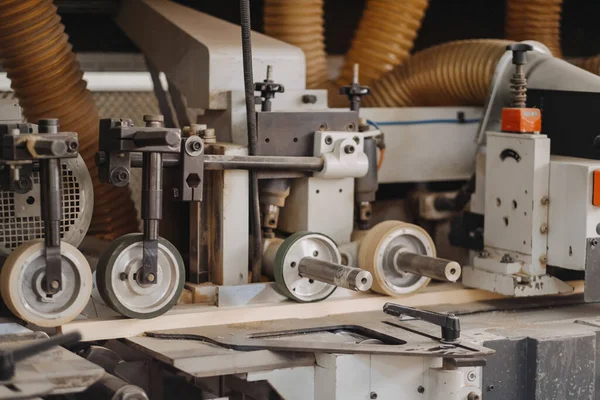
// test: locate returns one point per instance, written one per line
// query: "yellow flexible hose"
(449, 74)
(47, 80)
(300, 23)
(384, 38)
(534, 20)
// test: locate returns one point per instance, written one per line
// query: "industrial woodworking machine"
(265, 202)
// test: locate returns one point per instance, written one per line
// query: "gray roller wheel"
(115, 278)
(289, 254)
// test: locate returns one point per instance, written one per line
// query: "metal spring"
(47, 80)
(518, 89)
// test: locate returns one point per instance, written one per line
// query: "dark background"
(90, 26)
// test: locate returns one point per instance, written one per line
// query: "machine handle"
(449, 323)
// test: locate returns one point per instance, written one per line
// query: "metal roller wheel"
(20, 213)
(117, 284)
(21, 285)
(377, 246)
(289, 254)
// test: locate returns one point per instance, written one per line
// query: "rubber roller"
(307, 267)
(402, 258)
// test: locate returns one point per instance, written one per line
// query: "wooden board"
(189, 316)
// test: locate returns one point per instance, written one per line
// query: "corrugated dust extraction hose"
(384, 38)
(300, 23)
(534, 20)
(449, 74)
(36, 54)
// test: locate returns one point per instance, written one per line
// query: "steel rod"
(335, 274)
(432, 267)
(264, 163)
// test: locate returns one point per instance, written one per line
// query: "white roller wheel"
(377, 244)
(21, 285)
(116, 278)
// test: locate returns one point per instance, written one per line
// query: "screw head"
(196, 146)
(123, 276)
(328, 140)
(545, 200)
(490, 388)
(151, 277)
(421, 389)
(544, 229)
(55, 284)
(72, 145)
(471, 376)
(349, 149)
(373, 395)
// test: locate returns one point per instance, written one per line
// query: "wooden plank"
(189, 316)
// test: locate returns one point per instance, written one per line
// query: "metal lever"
(449, 323)
(8, 358)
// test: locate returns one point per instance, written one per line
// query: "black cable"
(252, 138)
(459, 201)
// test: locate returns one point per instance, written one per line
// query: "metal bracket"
(191, 170)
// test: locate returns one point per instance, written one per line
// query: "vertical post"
(51, 211)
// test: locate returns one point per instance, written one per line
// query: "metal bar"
(161, 95)
(224, 162)
(335, 274)
(152, 182)
(432, 267)
(51, 210)
(179, 104)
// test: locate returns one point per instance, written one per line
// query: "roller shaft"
(335, 274)
(432, 267)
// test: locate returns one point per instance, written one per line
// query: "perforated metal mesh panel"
(17, 229)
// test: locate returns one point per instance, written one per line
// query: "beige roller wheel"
(21, 285)
(381, 243)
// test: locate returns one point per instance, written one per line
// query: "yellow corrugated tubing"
(300, 23)
(449, 74)
(46, 78)
(537, 20)
(384, 38)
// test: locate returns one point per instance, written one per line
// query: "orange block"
(521, 120)
(596, 188)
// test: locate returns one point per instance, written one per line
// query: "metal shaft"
(432, 267)
(225, 162)
(152, 182)
(335, 274)
(51, 212)
(114, 388)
